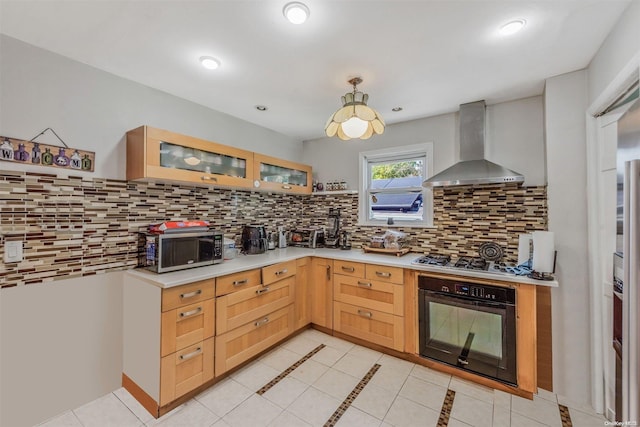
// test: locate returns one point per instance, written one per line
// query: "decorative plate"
(491, 251)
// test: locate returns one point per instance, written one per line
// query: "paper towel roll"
(543, 251)
(524, 248)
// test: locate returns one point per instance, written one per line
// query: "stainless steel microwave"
(180, 250)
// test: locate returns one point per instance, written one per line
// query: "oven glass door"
(473, 335)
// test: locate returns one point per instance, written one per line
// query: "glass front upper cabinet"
(156, 153)
(280, 175)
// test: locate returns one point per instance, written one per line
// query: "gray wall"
(514, 139)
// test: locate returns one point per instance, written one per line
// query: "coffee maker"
(332, 236)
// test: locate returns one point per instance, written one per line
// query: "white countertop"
(248, 262)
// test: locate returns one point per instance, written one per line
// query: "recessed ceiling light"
(296, 12)
(209, 62)
(396, 109)
(512, 27)
(261, 108)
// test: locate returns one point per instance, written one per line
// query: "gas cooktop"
(470, 263)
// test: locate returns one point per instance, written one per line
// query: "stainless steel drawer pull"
(262, 291)
(261, 322)
(194, 353)
(364, 284)
(281, 272)
(209, 178)
(349, 269)
(286, 187)
(191, 313)
(191, 294)
(365, 313)
(383, 274)
(240, 282)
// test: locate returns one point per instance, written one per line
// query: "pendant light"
(355, 119)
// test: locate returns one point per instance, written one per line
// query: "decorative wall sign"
(35, 153)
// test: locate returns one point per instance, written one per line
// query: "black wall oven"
(469, 326)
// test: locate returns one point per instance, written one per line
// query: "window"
(391, 186)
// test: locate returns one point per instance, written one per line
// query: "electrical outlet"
(12, 251)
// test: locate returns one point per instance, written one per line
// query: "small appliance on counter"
(306, 237)
(282, 237)
(230, 250)
(345, 240)
(172, 248)
(332, 236)
(254, 240)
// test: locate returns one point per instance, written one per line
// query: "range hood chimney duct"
(473, 168)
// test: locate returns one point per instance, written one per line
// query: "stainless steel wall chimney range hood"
(473, 168)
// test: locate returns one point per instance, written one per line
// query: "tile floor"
(329, 385)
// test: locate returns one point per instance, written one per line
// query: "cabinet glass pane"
(192, 159)
(275, 173)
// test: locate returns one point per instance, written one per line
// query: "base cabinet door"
(374, 326)
(244, 342)
(321, 292)
(185, 370)
(302, 300)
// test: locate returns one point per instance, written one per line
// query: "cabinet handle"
(364, 284)
(191, 294)
(349, 269)
(194, 353)
(209, 178)
(262, 291)
(328, 272)
(281, 272)
(286, 187)
(383, 274)
(240, 282)
(261, 322)
(190, 313)
(365, 314)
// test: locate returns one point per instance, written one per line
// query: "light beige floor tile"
(192, 413)
(501, 416)
(255, 376)
(427, 394)
(582, 419)
(501, 398)
(387, 378)
(287, 419)
(405, 412)
(134, 406)
(353, 365)
(285, 392)
(338, 343)
(375, 400)
(314, 407)
(355, 417)
(395, 365)
(472, 411)
(537, 409)
(300, 344)
(329, 355)
(430, 375)
(547, 395)
(256, 411)
(518, 420)
(66, 419)
(309, 371)
(280, 359)
(220, 423)
(315, 335)
(471, 389)
(224, 396)
(366, 355)
(106, 411)
(457, 423)
(336, 384)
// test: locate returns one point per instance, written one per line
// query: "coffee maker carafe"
(345, 240)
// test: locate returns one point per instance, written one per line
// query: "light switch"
(12, 251)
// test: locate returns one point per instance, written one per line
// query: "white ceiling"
(425, 56)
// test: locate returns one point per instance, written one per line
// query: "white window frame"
(390, 154)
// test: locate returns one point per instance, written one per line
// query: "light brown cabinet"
(321, 292)
(370, 325)
(280, 175)
(302, 303)
(186, 370)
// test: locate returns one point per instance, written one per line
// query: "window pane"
(395, 189)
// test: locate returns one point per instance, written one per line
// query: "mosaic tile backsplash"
(78, 227)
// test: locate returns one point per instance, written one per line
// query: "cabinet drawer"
(242, 343)
(384, 273)
(348, 268)
(375, 326)
(276, 272)
(187, 325)
(243, 306)
(185, 370)
(374, 294)
(187, 294)
(233, 282)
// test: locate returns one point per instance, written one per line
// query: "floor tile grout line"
(447, 406)
(565, 416)
(346, 403)
(290, 369)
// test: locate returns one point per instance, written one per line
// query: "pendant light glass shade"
(355, 119)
